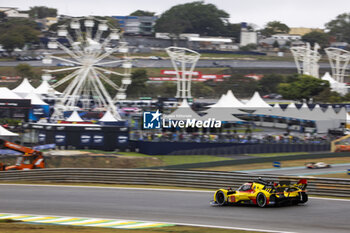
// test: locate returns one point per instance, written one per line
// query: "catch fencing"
(194, 179)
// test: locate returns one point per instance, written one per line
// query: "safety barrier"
(194, 179)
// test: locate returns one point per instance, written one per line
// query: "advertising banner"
(39, 111)
(42, 137)
(85, 139)
(60, 139)
(98, 140)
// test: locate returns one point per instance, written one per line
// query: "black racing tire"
(303, 197)
(220, 198)
(261, 200)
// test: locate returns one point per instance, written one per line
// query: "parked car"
(273, 96)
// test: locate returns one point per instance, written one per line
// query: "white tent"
(304, 112)
(317, 110)
(5, 133)
(220, 101)
(232, 101)
(74, 117)
(222, 114)
(336, 86)
(35, 99)
(6, 93)
(276, 110)
(256, 102)
(183, 112)
(24, 88)
(328, 77)
(291, 111)
(45, 88)
(108, 117)
(342, 115)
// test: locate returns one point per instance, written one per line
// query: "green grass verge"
(11, 227)
(179, 159)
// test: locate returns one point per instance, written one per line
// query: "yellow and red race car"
(262, 193)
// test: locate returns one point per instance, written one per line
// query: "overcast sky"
(294, 13)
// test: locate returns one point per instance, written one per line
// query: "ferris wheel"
(93, 48)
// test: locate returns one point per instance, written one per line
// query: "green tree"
(199, 89)
(233, 30)
(40, 12)
(194, 17)
(269, 83)
(305, 87)
(11, 41)
(3, 16)
(276, 44)
(142, 13)
(24, 70)
(139, 78)
(274, 27)
(16, 32)
(243, 87)
(316, 37)
(328, 96)
(248, 47)
(340, 27)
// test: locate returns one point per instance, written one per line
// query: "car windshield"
(245, 187)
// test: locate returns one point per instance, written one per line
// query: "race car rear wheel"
(261, 200)
(303, 197)
(220, 198)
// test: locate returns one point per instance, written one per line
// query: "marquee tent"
(6, 93)
(74, 117)
(183, 112)
(6, 133)
(24, 88)
(256, 102)
(45, 88)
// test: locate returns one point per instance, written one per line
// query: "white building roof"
(108, 117)
(74, 117)
(45, 88)
(4, 132)
(35, 99)
(328, 77)
(183, 112)
(24, 88)
(6, 93)
(231, 100)
(210, 39)
(256, 102)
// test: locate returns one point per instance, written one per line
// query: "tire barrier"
(195, 179)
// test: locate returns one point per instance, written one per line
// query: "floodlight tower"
(307, 59)
(339, 60)
(184, 61)
(89, 71)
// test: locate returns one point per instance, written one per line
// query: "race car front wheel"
(220, 198)
(303, 197)
(261, 200)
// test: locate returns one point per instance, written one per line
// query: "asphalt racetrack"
(189, 207)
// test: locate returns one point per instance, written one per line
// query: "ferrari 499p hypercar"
(262, 193)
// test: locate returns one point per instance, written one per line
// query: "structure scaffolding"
(339, 60)
(306, 59)
(184, 61)
(91, 56)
